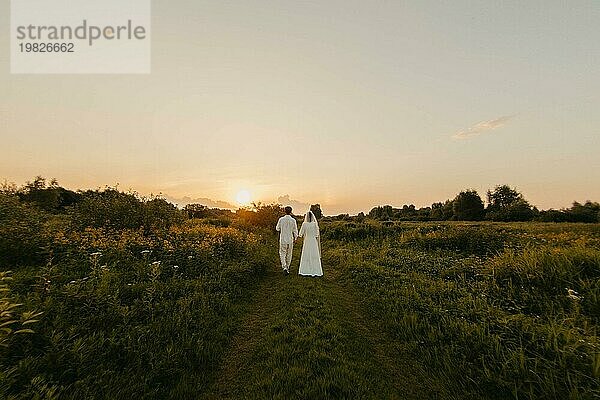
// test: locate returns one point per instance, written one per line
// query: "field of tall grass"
(126, 312)
(494, 310)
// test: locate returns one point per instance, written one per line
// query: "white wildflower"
(573, 295)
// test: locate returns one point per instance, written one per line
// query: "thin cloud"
(210, 203)
(299, 207)
(482, 127)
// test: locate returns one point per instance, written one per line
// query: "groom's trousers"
(285, 253)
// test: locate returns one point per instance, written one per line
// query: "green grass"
(310, 338)
(142, 325)
(490, 326)
(404, 311)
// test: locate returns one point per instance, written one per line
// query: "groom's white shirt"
(287, 228)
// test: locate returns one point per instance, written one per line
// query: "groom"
(288, 233)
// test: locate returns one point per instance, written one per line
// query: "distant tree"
(468, 206)
(196, 210)
(382, 212)
(48, 196)
(360, 217)
(376, 212)
(316, 210)
(436, 213)
(502, 196)
(448, 210)
(521, 211)
(552, 216)
(9, 189)
(388, 212)
(507, 204)
(343, 217)
(261, 215)
(39, 192)
(406, 213)
(587, 212)
(158, 213)
(423, 214)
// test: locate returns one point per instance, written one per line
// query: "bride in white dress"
(310, 261)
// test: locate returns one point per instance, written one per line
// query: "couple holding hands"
(310, 260)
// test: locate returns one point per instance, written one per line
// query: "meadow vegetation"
(495, 311)
(137, 300)
(115, 296)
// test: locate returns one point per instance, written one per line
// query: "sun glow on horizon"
(243, 197)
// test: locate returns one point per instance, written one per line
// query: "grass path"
(309, 338)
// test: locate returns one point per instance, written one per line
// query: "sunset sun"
(243, 197)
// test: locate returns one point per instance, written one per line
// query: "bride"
(310, 261)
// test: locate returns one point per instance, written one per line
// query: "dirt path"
(309, 338)
(246, 339)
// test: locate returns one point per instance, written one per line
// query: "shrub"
(260, 215)
(468, 206)
(469, 239)
(21, 233)
(113, 209)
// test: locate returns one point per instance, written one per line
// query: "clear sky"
(349, 104)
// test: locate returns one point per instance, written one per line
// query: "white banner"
(80, 37)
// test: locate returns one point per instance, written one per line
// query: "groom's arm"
(295, 230)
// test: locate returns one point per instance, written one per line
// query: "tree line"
(503, 204)
(113, 208)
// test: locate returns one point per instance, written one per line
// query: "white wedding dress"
(310, 260)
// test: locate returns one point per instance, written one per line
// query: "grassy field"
(190, 310)
(491, 310)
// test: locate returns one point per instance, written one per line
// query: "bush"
(22, 239)
(260, 215)
(468, 206)
(47, 196)
(469, 239)
(113, 209)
